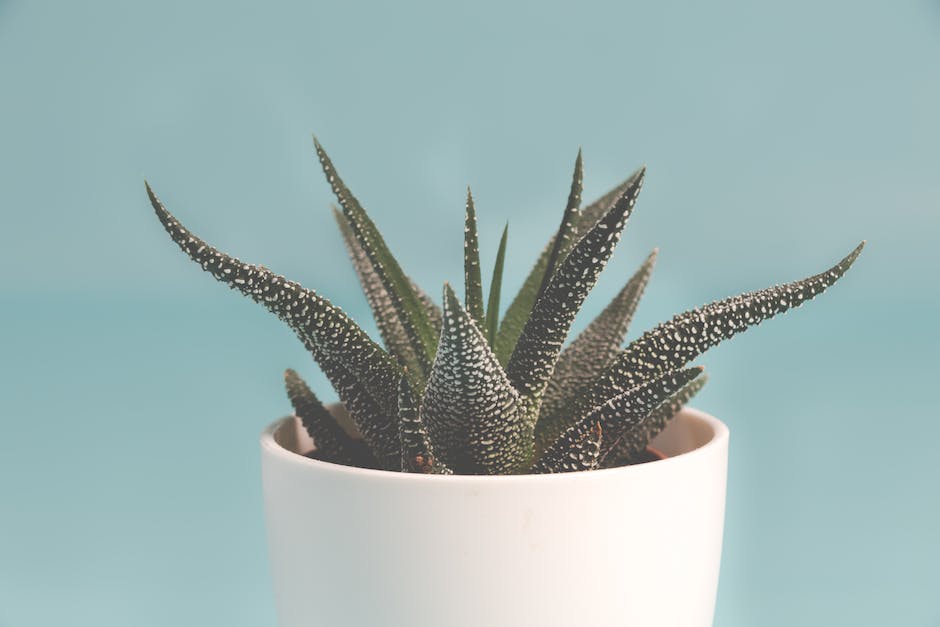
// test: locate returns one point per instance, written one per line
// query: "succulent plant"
(456, 389)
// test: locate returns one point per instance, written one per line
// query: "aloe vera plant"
(456, 389)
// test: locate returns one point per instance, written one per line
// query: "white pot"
(637, 546)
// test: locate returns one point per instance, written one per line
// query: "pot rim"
(719, 437)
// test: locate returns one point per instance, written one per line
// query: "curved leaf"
(383, 310)
(619, 414)
(521, 306)
(675, 343)
(533, 359)
(581, 453)
(635, 440)
(587, 356)
(405, 299)
(566, 236)
(354, 363)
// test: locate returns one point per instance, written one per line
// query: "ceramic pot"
(638, 545)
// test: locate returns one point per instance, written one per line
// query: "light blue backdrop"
(777, 136)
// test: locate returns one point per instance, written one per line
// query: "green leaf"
(333, 444)
(566, 236)
(474, 417)
(405, 299)
(580, 452)
(433, 312)
(675, 343)
(537, 350)
(587, 356)
(496, 284)
(521, 306)
(616, 416)
(473, 282)
(383, 310)
(634, 441)
(355, 365)
(417, 454)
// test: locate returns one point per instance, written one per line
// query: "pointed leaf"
(675, 343)
(619, 414)
(383, 310)
(533, 359)
(585, 358)
(634, 441)
(473, 415)
(405, 299)
(521, 306)
(496, 285)
(354, 363)
(417, 454)
(333, 444)
(581, 453)
(473, 282)
(566, 236)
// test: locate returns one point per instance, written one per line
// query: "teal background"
(777, 136)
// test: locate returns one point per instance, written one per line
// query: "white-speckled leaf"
(383, 309)
(537, 350)
(332, 443)
(473, 416)
(616, 415)
(582, 452)
(567, 234)
(417, 453)
(586, 357)
(411, 311)
(355, 364)
(633, 442)
(473, 281)
(521, 306)
(675, 343)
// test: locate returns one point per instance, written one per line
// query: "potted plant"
(478, 473)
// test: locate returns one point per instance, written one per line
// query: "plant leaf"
(634, 441)
(417, 455)
(433, 312)
(496, 284)
(333, 444)
(566, 236)
(405, 299)
(473, 282)
(474, 417)
(587, 356)
(676, 342)
(383, 310)
(537, 350)
(355, 365)
(617, 415)
(581, 453)
(521, 306)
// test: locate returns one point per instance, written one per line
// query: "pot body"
(638, 545)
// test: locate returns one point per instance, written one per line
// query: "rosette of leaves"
(457, 389)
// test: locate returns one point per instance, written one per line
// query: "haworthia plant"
(457, 390)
